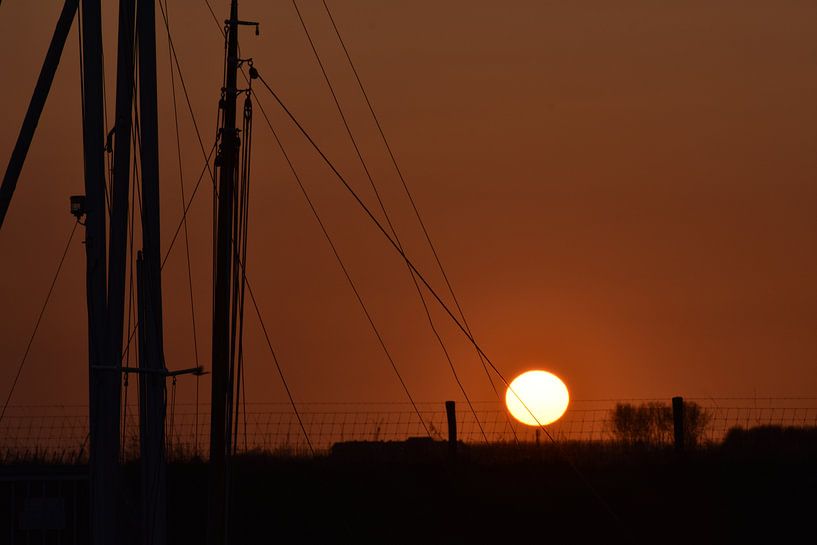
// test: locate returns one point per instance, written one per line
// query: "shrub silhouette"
(651, 424)
(793, 442)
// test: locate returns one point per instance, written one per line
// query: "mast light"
(78, 206)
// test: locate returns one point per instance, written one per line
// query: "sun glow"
(537, 397)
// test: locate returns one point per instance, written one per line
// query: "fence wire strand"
(58, 432)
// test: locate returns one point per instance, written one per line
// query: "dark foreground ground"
(755, 488)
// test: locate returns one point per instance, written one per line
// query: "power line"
(39, 319)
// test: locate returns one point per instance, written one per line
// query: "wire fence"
(60, 432)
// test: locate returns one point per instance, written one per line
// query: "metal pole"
(151, 415)
(103, 386)
(149, 125)
(227, 158)
(120, 185)
(35, 107)
(154, 509)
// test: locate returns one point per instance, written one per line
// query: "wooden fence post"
(451, 413)
(678, 422)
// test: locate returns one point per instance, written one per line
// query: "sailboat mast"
(103, 373)
(151, 353)
(120, 182)
(227, 160)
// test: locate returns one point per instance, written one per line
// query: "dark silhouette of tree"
(651, 424)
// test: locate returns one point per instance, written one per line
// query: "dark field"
(757, 487)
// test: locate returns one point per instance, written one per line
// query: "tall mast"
(151, 354)
(105, 285)
(103, 373)
(120, 184)
(227, 160)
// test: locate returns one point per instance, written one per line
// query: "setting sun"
(537, 398)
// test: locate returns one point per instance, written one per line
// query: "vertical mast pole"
(228, 156)
(103, 383)
(152, 360)
(120, 185)
(120, 189)
(149, 126)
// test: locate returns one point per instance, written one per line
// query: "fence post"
(678, 422)
(451, 413)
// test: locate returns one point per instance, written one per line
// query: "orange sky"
(623, 193)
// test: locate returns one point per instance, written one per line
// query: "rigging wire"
(343, 268)
(440, 301)
(215, 197)
(172, 425)
(131, 291)
(213, 15)
(207, 169)
(240, 224)
(178, 230)
(137, 143)
(346, 273)
(278, 365)
(379, 225)
(414, 207)
(166, 12)
(329, 240)
(175, 59)
(181, 188)
(184, 91)
(243, 207)
(108, 158)
(244, 413)
(388, 218)
(39, 319)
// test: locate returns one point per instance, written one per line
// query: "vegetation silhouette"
(757, 485)
(650, 424)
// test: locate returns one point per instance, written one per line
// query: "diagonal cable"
(181, 185)
(409, 195)
(443, 304)
(346, 273)
(388, 220)
(39, 319)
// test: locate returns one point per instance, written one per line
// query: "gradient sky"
(624, 193)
